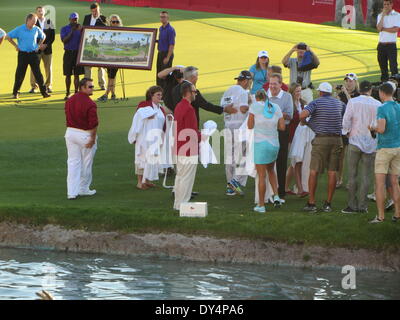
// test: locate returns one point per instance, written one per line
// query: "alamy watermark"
(349, 281)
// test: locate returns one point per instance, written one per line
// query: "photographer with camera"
(171, 77)
(71, 37)
(300, 68)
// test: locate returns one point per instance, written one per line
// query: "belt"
(386, 43)
(28, 51)
(327, 135)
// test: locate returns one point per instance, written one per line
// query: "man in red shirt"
(187, 142)
(81, 140)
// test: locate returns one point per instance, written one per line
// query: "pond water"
(92, 276)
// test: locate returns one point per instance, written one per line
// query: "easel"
(122, 77)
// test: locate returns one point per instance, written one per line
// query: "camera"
(300, 80)
(339, 87)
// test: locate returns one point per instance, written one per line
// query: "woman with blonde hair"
(296, 139)
(266, 119)
(114, 21)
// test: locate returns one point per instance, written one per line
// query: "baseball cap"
(365, 86)
(74, 15)
(244, 75)
(325, 87)
(263, 53)
(351, 76)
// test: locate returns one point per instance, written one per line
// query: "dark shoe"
(327, 207)
(15, 96)
(66, 97)
(309, 207)
(363, 211)
(32, 90)
(350, 210)
(103, 98)
(395, 219)
(113, 97)
(46, 95)
(49, 90)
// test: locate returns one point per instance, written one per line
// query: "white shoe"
(371, 197)
(72, 197)
(87, 193)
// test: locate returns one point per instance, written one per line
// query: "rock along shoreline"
(194, 248)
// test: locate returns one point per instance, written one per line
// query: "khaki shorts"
(387, 161)
(325, 153)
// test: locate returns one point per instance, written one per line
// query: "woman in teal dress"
(266, 119)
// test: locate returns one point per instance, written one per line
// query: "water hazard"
(92, 276)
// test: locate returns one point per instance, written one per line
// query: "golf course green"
(33, 153)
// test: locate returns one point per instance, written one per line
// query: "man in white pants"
(81, 140)
(235, 149)
(187, 142)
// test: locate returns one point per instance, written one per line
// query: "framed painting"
(113, 47)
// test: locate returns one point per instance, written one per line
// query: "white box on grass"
(193, 209)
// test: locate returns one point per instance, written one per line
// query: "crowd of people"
(291, 137)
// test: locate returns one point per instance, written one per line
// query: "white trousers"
(235, 153)
(80, 161)
(184, 180)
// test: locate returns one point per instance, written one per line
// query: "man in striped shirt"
(325, 120)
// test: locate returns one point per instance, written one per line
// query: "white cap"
(393, 85)
(351, 76)
(325, 87)
(263, 53)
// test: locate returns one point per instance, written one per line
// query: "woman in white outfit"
(295, 167)
(146, 132)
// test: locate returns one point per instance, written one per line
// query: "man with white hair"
(191, 74)
(326, 115)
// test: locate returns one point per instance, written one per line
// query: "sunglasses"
(115, 21)
(350, 75)
(264, 57)
(90, 87)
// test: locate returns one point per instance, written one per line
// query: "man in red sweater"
(187, 139)
(81, 140)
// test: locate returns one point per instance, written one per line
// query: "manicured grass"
(33, 153)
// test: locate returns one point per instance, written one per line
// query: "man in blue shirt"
(325, 115)
(166, 44)
(387, 159)
(28, 49)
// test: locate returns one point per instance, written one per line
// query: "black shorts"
(112, 72)
(69, 63)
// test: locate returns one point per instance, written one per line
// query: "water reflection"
(87, 276)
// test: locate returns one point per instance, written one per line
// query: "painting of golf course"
(117, 47)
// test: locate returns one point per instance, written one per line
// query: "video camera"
(396, 94)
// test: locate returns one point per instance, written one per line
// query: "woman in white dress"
(295, 167)
(265, 118)
(149, 117)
